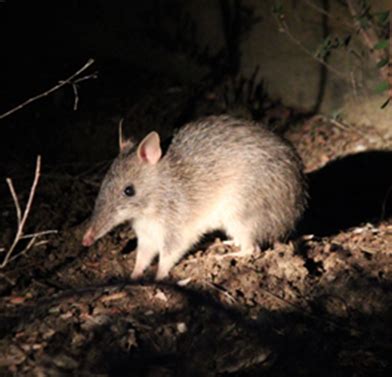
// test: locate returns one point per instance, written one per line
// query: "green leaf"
(383, 17)
(382, 63)
(382, 87)
(363, 21)
(383, 43)
(337, 114)
(277, 7)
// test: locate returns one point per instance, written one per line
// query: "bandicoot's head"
(126, 190)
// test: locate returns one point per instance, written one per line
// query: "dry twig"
(226, 293)
(322, 11)
(22, 218)
(286, 30)
(369, 37)
(72, 80)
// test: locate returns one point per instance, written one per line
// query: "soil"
(317, 305)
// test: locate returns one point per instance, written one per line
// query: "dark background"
(132, 44)
(153, 72)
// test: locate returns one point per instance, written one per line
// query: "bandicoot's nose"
(88, 238)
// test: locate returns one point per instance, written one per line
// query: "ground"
(316, 305)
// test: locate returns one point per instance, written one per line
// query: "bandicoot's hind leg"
(243, 237)
(174, 248)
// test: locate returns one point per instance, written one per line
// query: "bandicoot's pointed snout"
(88, 238)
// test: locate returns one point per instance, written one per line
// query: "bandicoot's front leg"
(173, 250)
(145, 253)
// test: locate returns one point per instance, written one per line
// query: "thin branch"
(88, 77)
(75, 87)
(69, 80)
(317, 8)
(16, 200)
(342, 126)
(7, 279)
(29, 246)
(230, 298)
(21, 224)
(326, 13)
(39, 234)
(76, 96)
(32, 192)
(24, 251)
(285, 29)
(369, 38)
(311, 54)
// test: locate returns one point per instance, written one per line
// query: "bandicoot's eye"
(129, 190)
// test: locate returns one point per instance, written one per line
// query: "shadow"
(130, 246)
(349, 192)
(220, 340)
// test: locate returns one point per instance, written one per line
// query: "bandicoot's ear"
(122, 142)
(149, 149)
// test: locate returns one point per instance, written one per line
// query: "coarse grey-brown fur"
(218, 173)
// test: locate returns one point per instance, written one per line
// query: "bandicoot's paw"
(136, 275)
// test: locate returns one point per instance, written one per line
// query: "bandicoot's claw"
(235, 254)
(245, 252)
